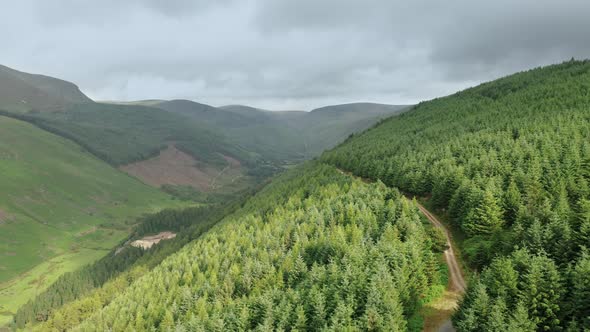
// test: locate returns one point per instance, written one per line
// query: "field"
(60, 208)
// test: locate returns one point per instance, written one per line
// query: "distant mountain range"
(285, 135)
(246, 133)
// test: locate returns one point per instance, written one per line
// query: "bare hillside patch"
(171, 166)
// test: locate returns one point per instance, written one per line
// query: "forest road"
(456, 280)
(457, 285)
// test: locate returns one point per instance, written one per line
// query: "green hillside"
(60, 208)
(509, 163)
(314, 250)
(325, 127)
(259, 131)
(79, 294)
(121, 134)
(176, 150)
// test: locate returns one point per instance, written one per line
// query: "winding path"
(456, 287)
(445, 306)
(456, 280)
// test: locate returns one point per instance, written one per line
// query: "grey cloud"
(509, 36)
(288, 54)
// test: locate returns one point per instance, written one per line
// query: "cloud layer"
(285, 54)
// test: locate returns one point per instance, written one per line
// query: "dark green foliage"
(485, 217)
(438, 238)
(508, 286)
(512, 203)
(510, 162)
(189, 193)
(580, 290)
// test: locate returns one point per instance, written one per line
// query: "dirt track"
(456, 280)
(457, 285)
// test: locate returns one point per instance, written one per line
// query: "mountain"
(158, 147)
(60, 208)
(29, 92)
(366, 109)
(257, 131)
(325, 127)
(209, 115)
(285, 136)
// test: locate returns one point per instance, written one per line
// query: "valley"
(326, 225)
(294, 166)
(222, 207)
(65, 200)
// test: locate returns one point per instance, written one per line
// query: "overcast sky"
(288, 54)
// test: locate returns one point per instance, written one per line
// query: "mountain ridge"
(33, 92)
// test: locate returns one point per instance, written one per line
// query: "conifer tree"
(581, 289)
(512, 202)
(486, 217)
(541, 291)
(519, 321)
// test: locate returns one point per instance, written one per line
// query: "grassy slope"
(61, 208)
